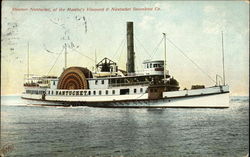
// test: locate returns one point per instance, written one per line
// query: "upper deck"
(35, 81)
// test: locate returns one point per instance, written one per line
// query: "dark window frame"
(141, 90)
(124, 91)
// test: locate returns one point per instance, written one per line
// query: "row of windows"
(150, 65)
(107, 92)
(95, 92)
(34, 92)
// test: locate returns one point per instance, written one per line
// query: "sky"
(193, 26)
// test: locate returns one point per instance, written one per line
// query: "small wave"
(60, 106)
(75, 107)
(21, 104)
(98, 147)
(240, 99)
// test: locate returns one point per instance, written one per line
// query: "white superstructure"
(109, 86)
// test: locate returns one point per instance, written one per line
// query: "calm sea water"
(85, 131)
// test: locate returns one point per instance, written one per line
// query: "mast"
(223, 66)
(65, 57)
(165, 56)
(95, 62)
(28, 60)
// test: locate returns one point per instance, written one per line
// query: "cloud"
(209, 9)
(213, 26)
(214, 20)
(146, 22)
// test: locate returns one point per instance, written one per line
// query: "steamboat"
(109, 86)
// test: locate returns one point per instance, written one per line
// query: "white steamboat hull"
(206, 101)
(208, 97)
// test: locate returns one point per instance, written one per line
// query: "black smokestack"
(130, 48)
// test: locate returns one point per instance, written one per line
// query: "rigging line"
(143, 47)
(191, 60)
(55, 61)
(135, 58)
(83, 55)
(121, 52)
(140, 95)
(156, 48)
(118, 48)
